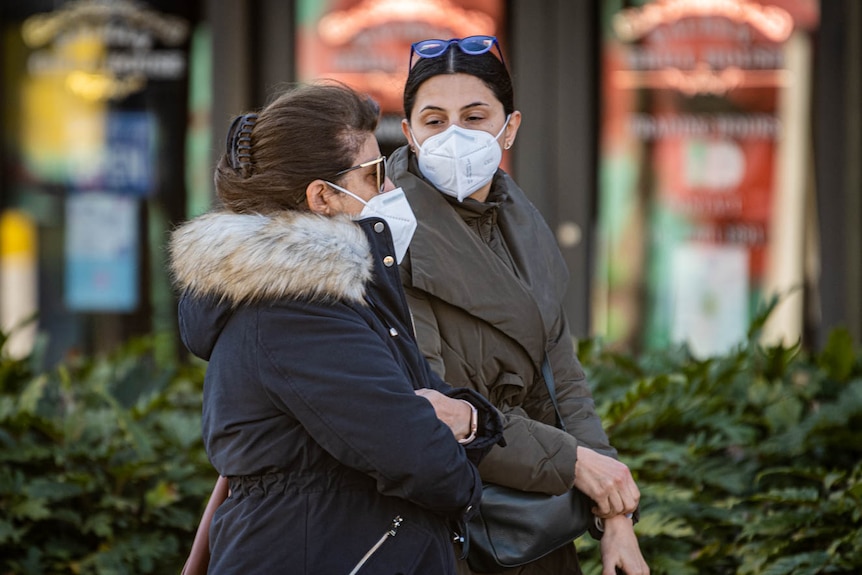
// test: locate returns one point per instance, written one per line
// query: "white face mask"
(459, 161)
(393, 207)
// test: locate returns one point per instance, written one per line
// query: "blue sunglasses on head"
(472, 45)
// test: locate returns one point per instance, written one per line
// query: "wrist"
(474, 424)
(600, 523)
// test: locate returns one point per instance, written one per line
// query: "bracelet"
(474, 423)
(600, 523)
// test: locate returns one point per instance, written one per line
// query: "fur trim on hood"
(245, 258)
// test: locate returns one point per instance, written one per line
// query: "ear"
(405, 129)
(512, 129)
(321, 199)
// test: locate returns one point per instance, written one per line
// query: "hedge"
(102, 468)
(748, 463)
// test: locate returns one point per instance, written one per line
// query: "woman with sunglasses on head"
(343, 452)
(485, 281)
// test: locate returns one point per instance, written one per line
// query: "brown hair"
(310, 132)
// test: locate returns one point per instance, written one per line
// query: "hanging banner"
(366, 43)
(129, 161)
(101, 252)
(695, 138)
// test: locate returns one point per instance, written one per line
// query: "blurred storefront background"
(693, 156)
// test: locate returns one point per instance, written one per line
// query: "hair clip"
(238, 144)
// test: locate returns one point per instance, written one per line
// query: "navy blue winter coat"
(309, 404)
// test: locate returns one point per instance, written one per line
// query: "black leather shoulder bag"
(515, 527)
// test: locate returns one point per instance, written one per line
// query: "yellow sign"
(17, 234)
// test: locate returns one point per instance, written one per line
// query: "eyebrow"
(467, 107)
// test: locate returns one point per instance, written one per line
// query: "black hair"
(487, 67)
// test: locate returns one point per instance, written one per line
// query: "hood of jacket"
(222, 260)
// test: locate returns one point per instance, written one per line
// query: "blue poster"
(129, 161)
(101, 252)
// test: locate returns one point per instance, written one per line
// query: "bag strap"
(548, 376)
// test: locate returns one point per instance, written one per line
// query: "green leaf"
(101, 524)
(799, 564)
(162, 495)
(837, 356)
(32, 509)
(784, 413)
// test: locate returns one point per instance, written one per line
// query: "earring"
(507, 146)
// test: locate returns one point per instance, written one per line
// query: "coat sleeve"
(574, 396)
(341, 381)
(536, 456)
(539, 457)
(489, 425)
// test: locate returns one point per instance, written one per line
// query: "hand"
(453, 412)
(606, 481)
(620, 548)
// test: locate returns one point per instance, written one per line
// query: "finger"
(633, 500)
(638, 568)
(609, 504)
(602, 508)
(609, 567)
(632, 489)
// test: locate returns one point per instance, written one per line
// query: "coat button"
(379, 227)
(388, 261)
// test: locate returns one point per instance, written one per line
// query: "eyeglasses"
(473, 45)
(380, 163)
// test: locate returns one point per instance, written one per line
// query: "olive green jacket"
(483, 325)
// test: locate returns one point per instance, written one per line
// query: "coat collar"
(475, 279)
(244, 258)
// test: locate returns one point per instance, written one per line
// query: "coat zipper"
(393, 529)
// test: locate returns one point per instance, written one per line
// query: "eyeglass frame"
(457, 41)
(380, 162)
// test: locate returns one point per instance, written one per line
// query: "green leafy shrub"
(102, 468)
(749, 463)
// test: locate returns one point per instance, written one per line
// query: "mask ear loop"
(505, 124)
(416, 146)
(348, 192)
(507, 145)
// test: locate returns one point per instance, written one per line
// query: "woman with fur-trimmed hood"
(344, 453)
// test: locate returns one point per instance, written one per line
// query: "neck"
(481, 194)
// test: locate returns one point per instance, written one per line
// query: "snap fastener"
(388, 261)
(393, 332)
(379, 227)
